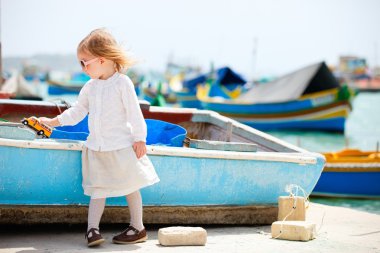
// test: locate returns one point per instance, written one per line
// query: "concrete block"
(285, 206)
(182, 236)
(293, 230)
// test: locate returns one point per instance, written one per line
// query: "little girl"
(114, 161)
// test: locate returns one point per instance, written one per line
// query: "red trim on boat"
(172, 117)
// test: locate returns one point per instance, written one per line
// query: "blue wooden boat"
(246, 184)
(350, 173)
(309, 98)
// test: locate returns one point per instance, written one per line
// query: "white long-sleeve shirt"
(115, 119)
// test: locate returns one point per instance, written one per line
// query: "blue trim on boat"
(259, 108)
(148, 98)
(333, 124)
(191, 104)
(54, 90)
(188, 100)
(354, 184)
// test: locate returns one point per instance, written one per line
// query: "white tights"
(95, 212)
(96, 209)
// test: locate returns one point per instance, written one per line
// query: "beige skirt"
(115, 173)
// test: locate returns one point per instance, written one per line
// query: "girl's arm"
(51, 122)
(140, 149)
(134, 114)
(135, 118)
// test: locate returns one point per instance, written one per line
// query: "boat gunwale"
(348, 167)
(71, 145)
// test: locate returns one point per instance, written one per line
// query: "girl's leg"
(135, 210)
(95, 212)
(136, 233)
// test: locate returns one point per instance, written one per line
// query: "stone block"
(285, 206)
(182, 236)
(293, 230)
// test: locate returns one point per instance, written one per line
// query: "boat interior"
(200, 125)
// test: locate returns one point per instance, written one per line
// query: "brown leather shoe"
(94, 237)
(124, 238)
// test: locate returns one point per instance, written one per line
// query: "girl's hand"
(50, 122)
(140, 149)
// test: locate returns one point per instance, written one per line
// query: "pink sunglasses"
(84, 64)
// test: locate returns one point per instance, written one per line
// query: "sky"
(253, 37)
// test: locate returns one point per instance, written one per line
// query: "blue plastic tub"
(159, 132)
(164, 133)
(77, 132)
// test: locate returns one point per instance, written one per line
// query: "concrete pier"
(338, 230)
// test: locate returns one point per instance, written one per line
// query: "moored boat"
(218, 186)
(309, 98)
(350, 173)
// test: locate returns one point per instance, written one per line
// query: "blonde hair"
(101, 43)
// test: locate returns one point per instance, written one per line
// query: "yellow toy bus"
(41, 129)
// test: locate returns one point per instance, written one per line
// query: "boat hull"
(188, 99)
(42, 176)
(358, 178)
(206, 186)
(334, 124)
(350, 173)
(348, 184)
(319, 112)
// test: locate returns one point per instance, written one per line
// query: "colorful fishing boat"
(310, 98)
(350, 173)
(158, 94)
(230, 84)
(229, 174)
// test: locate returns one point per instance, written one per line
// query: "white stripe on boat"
(300, 158)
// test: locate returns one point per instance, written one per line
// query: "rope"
(290, 189)
(322, 220)
(307, 204)
(61, 101)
